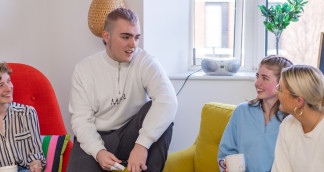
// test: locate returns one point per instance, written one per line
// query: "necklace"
(316, 122)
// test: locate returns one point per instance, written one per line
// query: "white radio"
(220, 66)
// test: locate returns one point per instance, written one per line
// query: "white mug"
(234, 163)
(12, 168)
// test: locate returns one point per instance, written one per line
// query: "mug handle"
(221, 164)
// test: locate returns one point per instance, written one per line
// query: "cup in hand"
(234, 163)
(13, 168)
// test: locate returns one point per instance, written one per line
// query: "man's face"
(122, 41)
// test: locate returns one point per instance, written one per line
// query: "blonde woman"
(300, 141)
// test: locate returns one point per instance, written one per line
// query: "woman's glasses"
(278, 89)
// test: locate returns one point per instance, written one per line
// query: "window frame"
(254, 50)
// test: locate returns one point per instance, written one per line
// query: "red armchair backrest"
(31, 87)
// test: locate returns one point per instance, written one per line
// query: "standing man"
(122, 104)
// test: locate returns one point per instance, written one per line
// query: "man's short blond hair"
(118, 13)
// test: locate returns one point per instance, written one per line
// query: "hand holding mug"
(224, 163)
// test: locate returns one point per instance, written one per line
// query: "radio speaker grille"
(233, 66)
(209, 66)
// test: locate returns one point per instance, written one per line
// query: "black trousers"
(121, 142)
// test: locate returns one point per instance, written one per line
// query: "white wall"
(70, 41)
(23, 33)
(53, 36)
(138, 8)
(166, 30)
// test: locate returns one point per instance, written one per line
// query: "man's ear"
(105, 36)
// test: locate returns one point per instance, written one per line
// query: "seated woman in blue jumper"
(254, 125)
(20, 142)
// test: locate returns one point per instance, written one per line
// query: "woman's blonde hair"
(275, 64)
(306, 82)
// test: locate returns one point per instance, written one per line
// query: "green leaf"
(286, 18)
(261, 8)
(286, 24)
(278, 8)
(296, 9)
(304, 3)
(276, 21)
(302, 9)
(270, 28)
(285, 5)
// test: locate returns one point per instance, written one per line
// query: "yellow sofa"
(202, 155)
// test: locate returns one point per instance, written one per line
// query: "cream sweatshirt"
(297, 151)
(106, 94)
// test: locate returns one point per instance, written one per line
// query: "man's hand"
(106, 159)
(137, 159)
(36, 166)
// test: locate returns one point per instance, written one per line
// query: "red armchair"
(32, 88)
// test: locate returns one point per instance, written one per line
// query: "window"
(217, 29)
(234, 28)
(299, 42)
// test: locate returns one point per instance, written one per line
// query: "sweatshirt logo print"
(117, 100)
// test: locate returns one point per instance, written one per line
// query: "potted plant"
(280, 16)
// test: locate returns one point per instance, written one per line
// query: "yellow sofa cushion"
(214, 118)
(182, 161)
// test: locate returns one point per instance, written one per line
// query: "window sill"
(249, 76)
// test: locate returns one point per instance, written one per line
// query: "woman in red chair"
(20, 142)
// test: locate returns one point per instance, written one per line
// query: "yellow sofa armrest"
(214, 118)
(181, 161)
